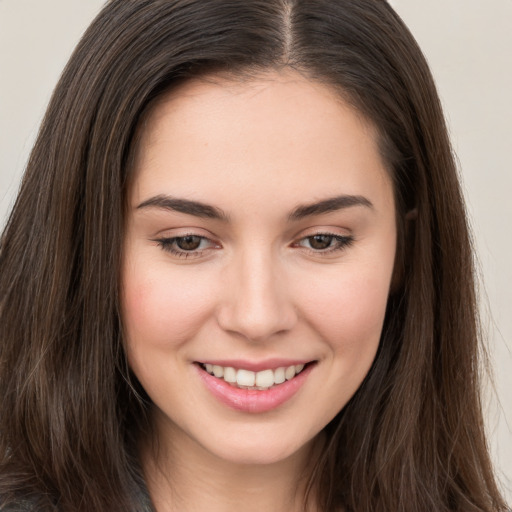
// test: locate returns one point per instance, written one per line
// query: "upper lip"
(255, 366)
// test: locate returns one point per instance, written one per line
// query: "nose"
(256, 300)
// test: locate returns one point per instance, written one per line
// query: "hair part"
(411, 439)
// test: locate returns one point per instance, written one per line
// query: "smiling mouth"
(247, 379)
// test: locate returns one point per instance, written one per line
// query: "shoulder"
(22, 506)
(140, 501)
(25, 504)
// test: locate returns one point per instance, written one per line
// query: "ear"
(410, 216)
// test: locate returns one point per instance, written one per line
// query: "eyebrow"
(204, 210)
(184, 206)
(331, 204)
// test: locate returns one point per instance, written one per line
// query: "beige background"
(469, 46)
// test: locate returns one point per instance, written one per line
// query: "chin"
(261, 450)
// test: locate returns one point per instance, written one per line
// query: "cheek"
(161, 308)
(348, 311)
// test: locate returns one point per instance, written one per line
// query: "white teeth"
(218, 371)
(289, 372)
(279, 376)
(246, 379)
(265, 379)
(230, 374)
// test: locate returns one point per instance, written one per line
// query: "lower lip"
(253, 400)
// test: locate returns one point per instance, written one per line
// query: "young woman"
(238, 273)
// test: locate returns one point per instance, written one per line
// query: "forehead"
(280, 131)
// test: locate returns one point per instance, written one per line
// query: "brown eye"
(325, 243)
(320, 242)
(187, 246)
(188, 243)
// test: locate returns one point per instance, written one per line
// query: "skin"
(257, 288)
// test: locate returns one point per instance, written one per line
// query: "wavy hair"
(411, 439)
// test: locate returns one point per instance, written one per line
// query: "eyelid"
(320, 228)
(342, 242)
(338, 243)
(168, 245)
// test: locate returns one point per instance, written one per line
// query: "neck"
(183, 476)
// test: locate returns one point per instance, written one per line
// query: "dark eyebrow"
(331, 204)
(187, 206)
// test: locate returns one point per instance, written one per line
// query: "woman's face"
(259, 248)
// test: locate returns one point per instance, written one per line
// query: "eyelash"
(169, 244)
(340, 243)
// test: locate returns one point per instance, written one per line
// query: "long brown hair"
(411, 439)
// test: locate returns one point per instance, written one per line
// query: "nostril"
(257, 323)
